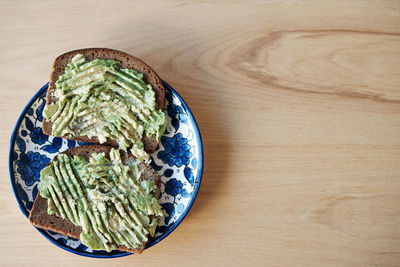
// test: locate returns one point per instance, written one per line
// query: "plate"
(179, 161)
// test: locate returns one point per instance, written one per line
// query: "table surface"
(298, 103)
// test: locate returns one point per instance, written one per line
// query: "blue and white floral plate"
(179, 161)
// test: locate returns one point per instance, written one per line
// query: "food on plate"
(108, 97)
(101, 195)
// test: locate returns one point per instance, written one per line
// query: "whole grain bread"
(127, 61)
(41, 219)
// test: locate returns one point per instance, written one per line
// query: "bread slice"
(41, 219)
(127, 61)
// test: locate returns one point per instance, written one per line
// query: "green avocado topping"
(96, 98)
(112, 202)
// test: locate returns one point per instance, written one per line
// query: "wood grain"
(298, 103)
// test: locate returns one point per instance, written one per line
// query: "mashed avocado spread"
(96, 98)
(111, 201)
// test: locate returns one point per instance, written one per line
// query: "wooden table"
(298, 103)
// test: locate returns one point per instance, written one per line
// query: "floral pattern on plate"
(178, 160)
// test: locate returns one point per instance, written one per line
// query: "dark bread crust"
(41, 219)
(127, 61)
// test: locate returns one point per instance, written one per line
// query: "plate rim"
(163, 236)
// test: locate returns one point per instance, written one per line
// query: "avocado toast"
(105, 96)
(121, 206)
(104, 196)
